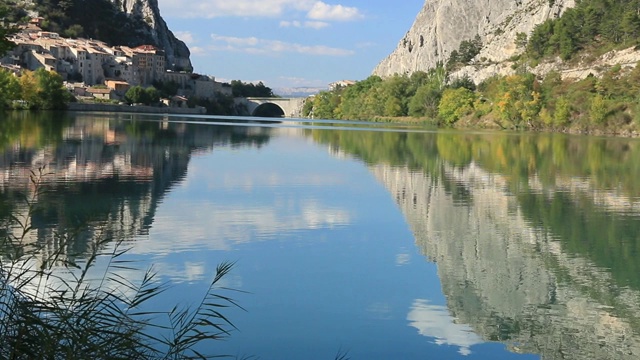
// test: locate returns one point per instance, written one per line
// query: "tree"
(425, 101)
(153, 95)
(51, 92)
(242, 89)
(521, 40)
(29, 89)
(9, 88)
(5, 31)
(518, 100)
(455, 103)
(136, 95)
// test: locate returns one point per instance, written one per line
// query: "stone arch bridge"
(272, 107)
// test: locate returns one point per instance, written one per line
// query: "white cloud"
(307, 24)
(236, 41)
(435, 321)
(197, 50)
(323, 11)
(316, 24)
(253, 45)
(314, 10)
(185, 36)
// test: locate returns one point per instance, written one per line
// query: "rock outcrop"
(118, 22)
(442, 25)
(176, 52)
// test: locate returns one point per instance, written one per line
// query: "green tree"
(153, 95)
(455, 103)
(242, 89)
(29, 88)
(136, 95)
(51, 91)
(598, 110)
(562, 112)
(9, 88)
(518, 101)
(425, 101)
(324, 105)
(5, 31)
(521, 40)
(630, 26)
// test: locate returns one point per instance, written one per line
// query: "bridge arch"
(268, 109)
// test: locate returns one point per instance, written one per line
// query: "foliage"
(242, 89)
(455, 103)
(5, 30)
(51, 93)
(166, 88)
(53, 307)
(220, 105)
(107, 21)
(598, 110)
(593, 24)
(40, 89)
(467, 50)
(518, 102)
(139, 95)
(9, 89)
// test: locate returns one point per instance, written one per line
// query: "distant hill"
(298, 91)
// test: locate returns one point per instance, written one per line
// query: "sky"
(289, 43)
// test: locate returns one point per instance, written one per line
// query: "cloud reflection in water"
(435, 321)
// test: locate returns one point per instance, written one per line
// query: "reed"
(54, 307)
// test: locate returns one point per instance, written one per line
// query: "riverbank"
(76, 106)
(470, 123)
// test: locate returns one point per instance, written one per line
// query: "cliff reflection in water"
(535, 237)
(104, 172)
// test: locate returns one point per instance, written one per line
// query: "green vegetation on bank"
(40, 89)
(607, 104)
(610, 103)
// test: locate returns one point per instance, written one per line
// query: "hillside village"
(94, 70)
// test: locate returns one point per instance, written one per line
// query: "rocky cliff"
(116, 22)
(442, 25)
(176, 51)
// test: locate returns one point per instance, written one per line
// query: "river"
(374, 240)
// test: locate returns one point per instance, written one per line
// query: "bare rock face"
(442, 25)
(176, 52)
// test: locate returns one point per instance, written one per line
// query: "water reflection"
(535, 238)
(102, 171)
(436, 322)
(535, 246)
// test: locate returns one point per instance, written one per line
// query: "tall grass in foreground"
(53, 307)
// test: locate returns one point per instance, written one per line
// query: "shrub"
(455, 103)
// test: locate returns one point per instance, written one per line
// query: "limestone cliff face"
(176, 51)
(442, 25)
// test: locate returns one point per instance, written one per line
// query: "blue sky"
(289, 43)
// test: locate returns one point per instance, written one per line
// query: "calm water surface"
(385, 242)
